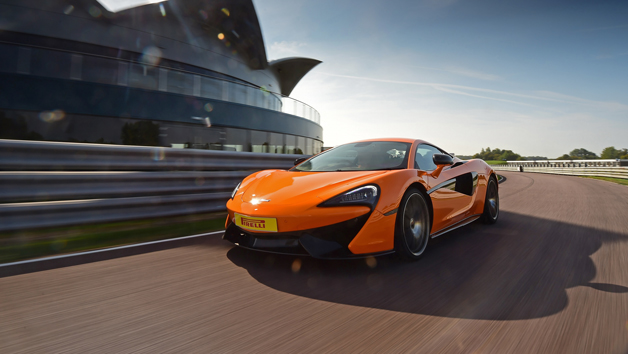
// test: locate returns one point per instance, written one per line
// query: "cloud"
(544, 95)
(608, 105)
(351, 112)
(431, 84)
(611, 56)
(444, 89)
(464, 72)
(603, 28)
(285, 48)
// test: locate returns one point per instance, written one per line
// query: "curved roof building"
(179, 73)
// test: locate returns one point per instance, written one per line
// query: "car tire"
(491, 202)
(413, 225)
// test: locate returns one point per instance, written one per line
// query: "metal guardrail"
(56, 186)
(49, 184)
(18, 155)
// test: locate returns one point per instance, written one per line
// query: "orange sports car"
(365, 198)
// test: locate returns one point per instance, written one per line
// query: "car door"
(451, 191)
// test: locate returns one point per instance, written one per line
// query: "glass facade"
(64, 65)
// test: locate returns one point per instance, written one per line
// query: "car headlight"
(235, 190)
(366, 195)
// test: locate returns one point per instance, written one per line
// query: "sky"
(540, 78)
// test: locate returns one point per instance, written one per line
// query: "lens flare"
(151, 55)
(221, 36)
(94, 11)
(296, 265)
(209, 107)
(203, 14)
(52, 116)
(159, 154)
(225, 11)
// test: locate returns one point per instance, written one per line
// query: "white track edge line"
(107, 249)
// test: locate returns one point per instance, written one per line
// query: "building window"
(143, 76)
(211, 88)
(259, 141)
(291, 142)
(236, 139)
(300, 148)
(50, 63)
(179, 82)
(276, 143)
(101, 70)
(237, 93)
(8, 58)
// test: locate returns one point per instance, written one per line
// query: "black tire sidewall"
(486, 216)
(401, 245)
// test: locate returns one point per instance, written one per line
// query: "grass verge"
(27, 244)
(610, 179)
(496, 162)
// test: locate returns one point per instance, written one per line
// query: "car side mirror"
(442, 159)
(299, 160)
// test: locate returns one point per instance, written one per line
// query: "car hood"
(292, 188)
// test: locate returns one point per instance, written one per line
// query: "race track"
(550, 277)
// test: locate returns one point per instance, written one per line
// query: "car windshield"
(364, 156)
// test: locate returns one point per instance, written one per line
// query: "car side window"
(423, 157)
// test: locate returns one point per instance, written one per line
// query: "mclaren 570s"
(360, 199)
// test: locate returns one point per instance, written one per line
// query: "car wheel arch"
(423, 190)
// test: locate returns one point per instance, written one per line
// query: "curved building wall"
(187, 33)
(145, 76)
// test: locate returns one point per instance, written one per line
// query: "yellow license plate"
(256, 223)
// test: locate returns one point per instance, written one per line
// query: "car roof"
(401, 140)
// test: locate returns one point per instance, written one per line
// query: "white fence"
(599, 168)
(569, 163)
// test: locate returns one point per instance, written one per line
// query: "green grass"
(610, 179)
(20, 245)
(495, 162)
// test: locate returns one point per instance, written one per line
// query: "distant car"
(365, 198)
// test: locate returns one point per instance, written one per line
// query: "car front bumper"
(330, 242)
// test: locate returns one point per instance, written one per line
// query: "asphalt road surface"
(550, 277)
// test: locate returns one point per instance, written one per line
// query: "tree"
(509, 155)
(496, 154)
(582, 154)
(564, 157)
(610, 153)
